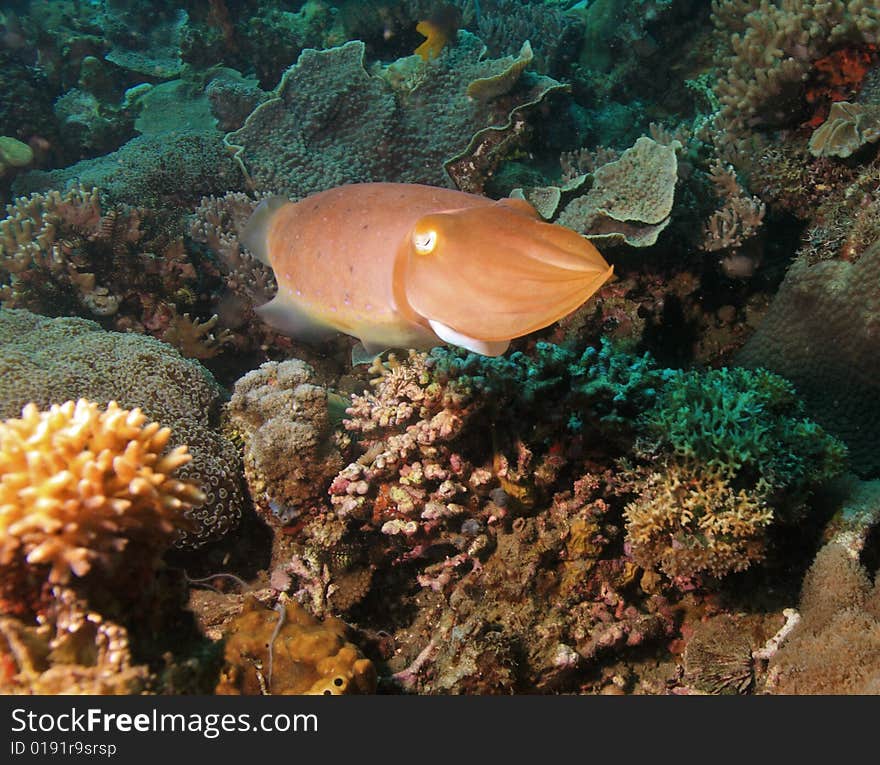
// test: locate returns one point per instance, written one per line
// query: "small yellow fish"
(401, 265)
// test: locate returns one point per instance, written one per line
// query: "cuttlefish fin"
(365, 352)
(254, 236)
(285, 314)
(483, 347)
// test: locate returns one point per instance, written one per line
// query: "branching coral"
(128, 267)
(773, 45)
(49, 361)
(734, 454)
(738, 219)
(84, 487)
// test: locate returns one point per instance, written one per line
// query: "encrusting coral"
(290, 454)
(85, 487)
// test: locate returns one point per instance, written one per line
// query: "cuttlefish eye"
(424, 241)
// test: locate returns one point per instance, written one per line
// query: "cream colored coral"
(78, 483)
(687, 521)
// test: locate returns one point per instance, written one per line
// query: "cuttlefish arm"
(491, 274)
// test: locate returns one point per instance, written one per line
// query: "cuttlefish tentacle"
(406, 265)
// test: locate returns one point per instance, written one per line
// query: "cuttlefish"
(400, 265)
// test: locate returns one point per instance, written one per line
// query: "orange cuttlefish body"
(401, 265)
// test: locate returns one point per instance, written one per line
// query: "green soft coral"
(743, 424)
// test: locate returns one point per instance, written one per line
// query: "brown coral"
(821, 333)
(688, 521)
(49, 361)
(836, 646)
(82, 486)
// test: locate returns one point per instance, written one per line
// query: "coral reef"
(287, 651)
(297, 142)
(48, 361)
(836, 646)
(820, 333)
(84, 487)
(290, 454)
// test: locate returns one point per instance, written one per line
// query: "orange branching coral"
(82, 485)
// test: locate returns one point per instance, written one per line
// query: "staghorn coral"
(821, 333)
(290, 454)
(84, 487)
(299, 141)
(287, 651)
(48, 361)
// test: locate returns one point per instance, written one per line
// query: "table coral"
(54, 360)
(287, 651)
(630, 199)
(300, 140)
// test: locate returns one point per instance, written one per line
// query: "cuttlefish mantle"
(401, 265)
